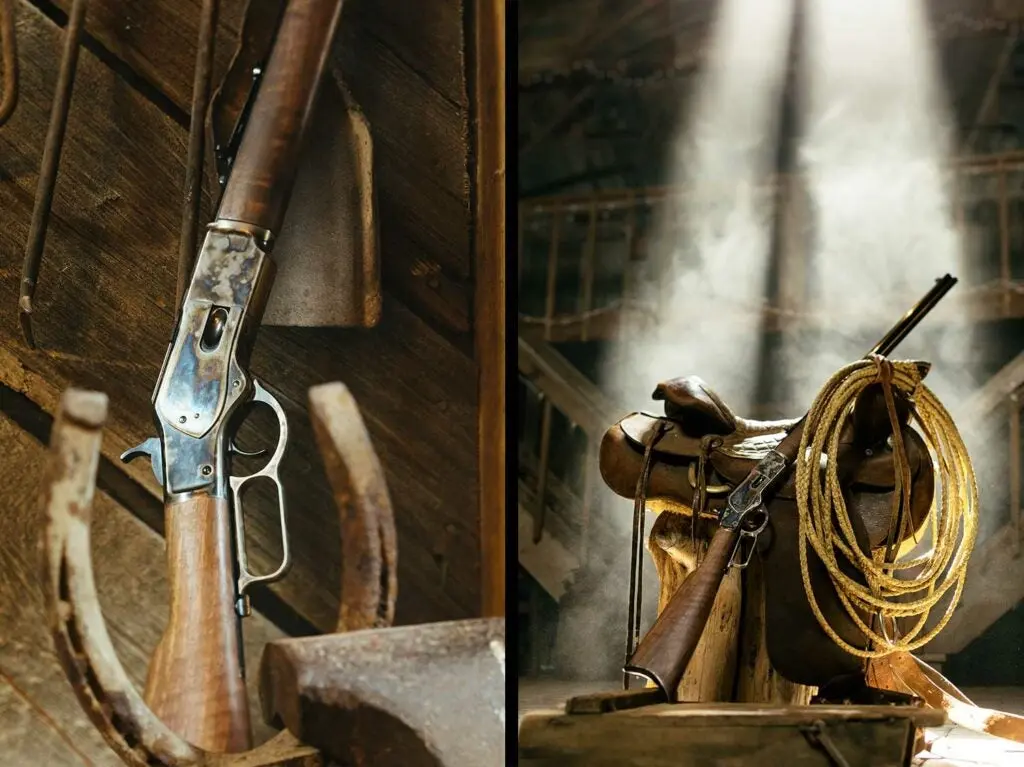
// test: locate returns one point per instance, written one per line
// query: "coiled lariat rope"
(820, 504)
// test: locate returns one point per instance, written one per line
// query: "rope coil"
(825, 522)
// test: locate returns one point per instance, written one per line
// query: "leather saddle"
(700, 433)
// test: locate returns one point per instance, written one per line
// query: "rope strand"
(953, 520)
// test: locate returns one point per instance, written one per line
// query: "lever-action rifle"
(664, 653)
(196, 677)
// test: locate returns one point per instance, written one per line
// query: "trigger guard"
(269, 470)
(246, 577)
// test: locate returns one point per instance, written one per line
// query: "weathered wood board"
(725, 735)
(104, 305)
(41, 722)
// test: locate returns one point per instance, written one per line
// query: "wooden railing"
(995, 576)
(580, 257)
(564, 485)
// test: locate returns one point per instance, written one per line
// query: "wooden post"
(731, 661)
(958, 202)
(552, 284)
(794, 254)
(711, 674)
(587, 271)
(489, 299)
(757, 681)
(1004, 243)
(1015, 488)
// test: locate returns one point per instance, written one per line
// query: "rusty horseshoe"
(79, 632)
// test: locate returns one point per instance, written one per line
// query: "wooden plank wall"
(104, 316)
(105, 300)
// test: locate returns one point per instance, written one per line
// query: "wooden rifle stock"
(664, 653)
(263, 172)
(195, 683)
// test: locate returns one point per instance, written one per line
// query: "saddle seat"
(694, 412)
(699, 411)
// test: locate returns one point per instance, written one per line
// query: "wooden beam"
(995, 585)
(489, 298)
(104, 309)
(988, 109)
(549, 562)
(981, 304)
(568, 389)
(996, 391)
(612, 199)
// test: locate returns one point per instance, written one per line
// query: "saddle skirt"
(698, 421)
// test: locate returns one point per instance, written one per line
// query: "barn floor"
(951, 747)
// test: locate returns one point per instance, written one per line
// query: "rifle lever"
(246, 577)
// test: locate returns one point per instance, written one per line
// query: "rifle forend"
(263, 173)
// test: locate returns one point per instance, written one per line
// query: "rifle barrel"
(912, 318)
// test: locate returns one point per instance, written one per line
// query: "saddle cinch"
(700, 435)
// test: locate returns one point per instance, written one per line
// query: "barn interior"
(399, 195)
(752, 191)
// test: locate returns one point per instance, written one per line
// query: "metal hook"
(48, 169)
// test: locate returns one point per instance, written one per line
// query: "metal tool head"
(25, 317)
(327, 252)
(416, 696)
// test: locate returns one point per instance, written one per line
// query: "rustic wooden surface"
(104, 312)
(686, 735)
(951, 746)
(41, 722)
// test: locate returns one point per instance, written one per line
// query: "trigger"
(151, 448)
(236, 450)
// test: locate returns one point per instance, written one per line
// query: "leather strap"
(902, 672)
(636, 558)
